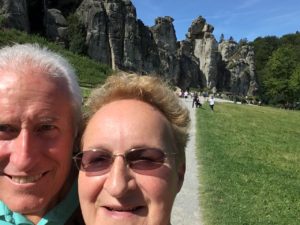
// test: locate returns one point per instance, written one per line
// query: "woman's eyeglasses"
(97, 162)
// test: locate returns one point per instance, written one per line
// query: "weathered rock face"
(239, 62)
(165, 39)
(205, 49)
(65, 6)
(14, 13)
(190, 73)
(112, 33)
(226, 66)
(227, 49)
(115, 36)
(94, 17)
(56, 25)
(44, 17)
(150, 62)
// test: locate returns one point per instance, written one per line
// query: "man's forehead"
(6, 79)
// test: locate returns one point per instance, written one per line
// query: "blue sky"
(237, 18)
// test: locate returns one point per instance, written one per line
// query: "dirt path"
(186, 210)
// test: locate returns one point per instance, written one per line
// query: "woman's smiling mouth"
(123, 209)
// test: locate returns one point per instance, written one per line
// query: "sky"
(237, 18)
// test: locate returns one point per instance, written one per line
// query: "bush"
(76, 35)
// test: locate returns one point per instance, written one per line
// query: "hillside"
(89, 72)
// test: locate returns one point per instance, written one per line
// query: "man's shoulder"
(8, 217)
(67, 212)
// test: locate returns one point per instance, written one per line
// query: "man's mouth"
(25, 179)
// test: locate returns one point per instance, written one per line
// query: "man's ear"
(180, 175)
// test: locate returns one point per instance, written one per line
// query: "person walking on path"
(211, 103)
(196, 101)
(186, 208)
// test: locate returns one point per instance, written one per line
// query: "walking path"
(186, 210)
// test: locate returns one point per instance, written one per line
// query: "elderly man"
(40, 117)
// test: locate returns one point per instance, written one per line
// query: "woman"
(133, 160)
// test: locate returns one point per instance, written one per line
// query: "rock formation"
(239, 61)
(116, 37)
(165, 40)
(57, 26)
(205, 50)
(14, 14)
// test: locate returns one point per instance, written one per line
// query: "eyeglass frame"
(123, 155)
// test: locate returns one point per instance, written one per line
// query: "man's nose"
(119, 180)
(23, 152)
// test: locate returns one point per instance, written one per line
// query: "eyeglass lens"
(98, 161)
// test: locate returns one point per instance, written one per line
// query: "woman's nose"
(119, 180)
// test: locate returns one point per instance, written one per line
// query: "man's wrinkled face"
(36, 140)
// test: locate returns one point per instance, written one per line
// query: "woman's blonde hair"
(149, 89)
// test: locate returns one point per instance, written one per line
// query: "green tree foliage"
(2, 21)
(277, 62)
(294, 84)
(294, 41)
(76, 35)
(263, 48)
(277, 73)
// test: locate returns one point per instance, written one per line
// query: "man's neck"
(34, 218)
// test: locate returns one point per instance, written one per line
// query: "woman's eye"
(146, 158)
(98, 160)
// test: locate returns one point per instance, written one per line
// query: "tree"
(276, 65)
(76, 35)
(294, 84)
(277, 73)
(263, 49)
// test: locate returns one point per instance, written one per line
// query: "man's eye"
(8, 128)
(8, 132)
(46, 127)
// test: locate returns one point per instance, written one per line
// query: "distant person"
(186, 94)
(132, 163)
(196, 101)
(211, 103)
(40, 118)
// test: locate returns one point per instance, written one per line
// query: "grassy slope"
(250, 164)
(90, 73)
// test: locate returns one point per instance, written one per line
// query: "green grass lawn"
(249, 165)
